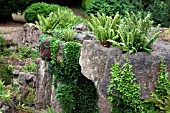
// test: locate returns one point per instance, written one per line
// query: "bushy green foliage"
(126, 97)
(104, 27)
(161, 96)
(160, 10)
(124, 92)
(68, 71)
(5, 71)
(86, 3)
(111, 7)
(32, 11)
(75, 93)
(133, 31)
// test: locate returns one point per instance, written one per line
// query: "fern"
(133, 33)
(104, 27)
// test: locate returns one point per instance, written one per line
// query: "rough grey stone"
(84, 36)
(15, 72)
(26, 79)
(80, 27)
(162, 49)
(30, 35)
(95, 61)
(43, 84)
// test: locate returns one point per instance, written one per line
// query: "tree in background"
(7, 7)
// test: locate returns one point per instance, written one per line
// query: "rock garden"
(109, 56)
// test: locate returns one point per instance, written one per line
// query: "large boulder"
(96, 62)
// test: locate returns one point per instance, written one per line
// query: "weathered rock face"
(30, 35)
(43, 84)
(96, 62)
(162, 48)
(45, 90)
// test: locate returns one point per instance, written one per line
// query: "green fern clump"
(60, 19)
(133, 33)
(104, 27)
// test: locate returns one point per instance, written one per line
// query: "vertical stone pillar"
(43, 84)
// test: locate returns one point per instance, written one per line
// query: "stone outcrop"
(43, 84)
(96, 62)
(30, 35)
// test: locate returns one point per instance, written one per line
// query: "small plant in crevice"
(124, 92)
(161, 96)
(30, 99)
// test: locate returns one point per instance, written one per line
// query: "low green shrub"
(2, 45)
(124, 92)
(86, 3)
(32, 11)
(25, 52)
(5, 71)
(5, 93)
